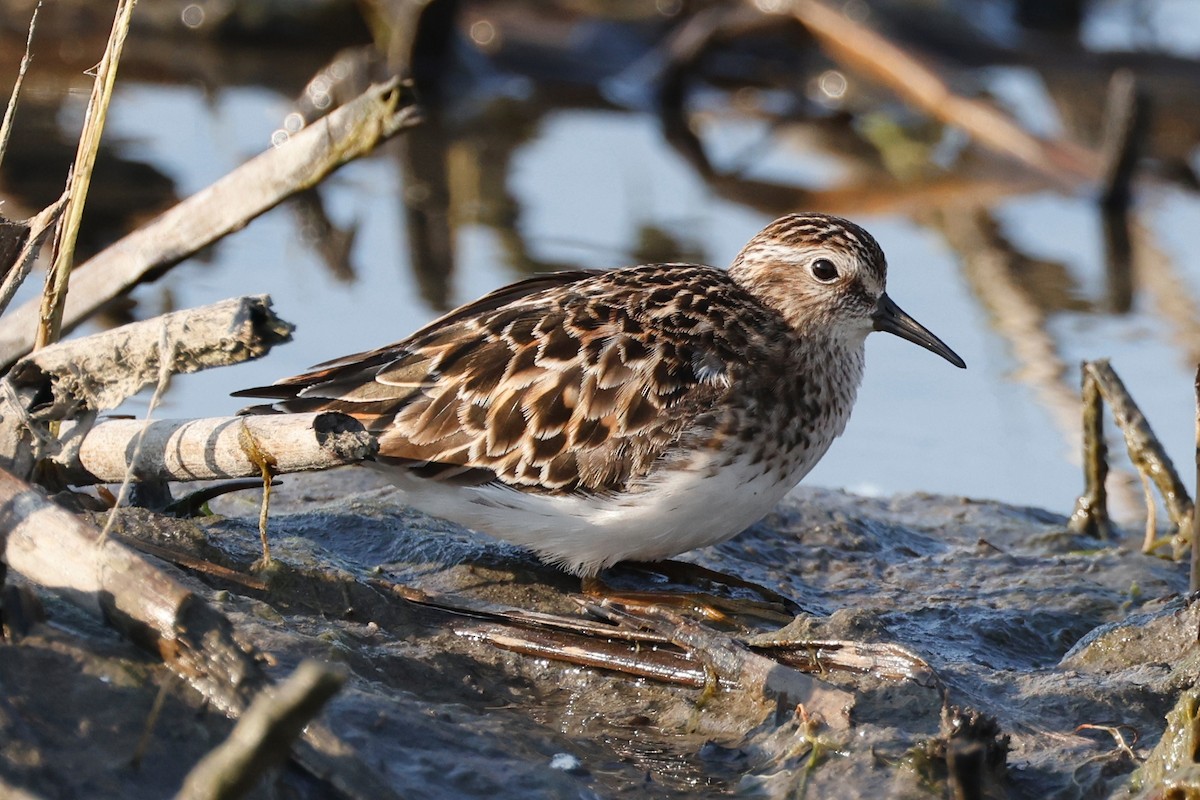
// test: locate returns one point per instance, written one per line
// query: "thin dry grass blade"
(11, 111)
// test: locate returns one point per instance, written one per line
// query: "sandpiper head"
(825, 274)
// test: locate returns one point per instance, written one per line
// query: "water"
(583, 186)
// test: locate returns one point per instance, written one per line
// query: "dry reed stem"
(11, 111)
(80, 179)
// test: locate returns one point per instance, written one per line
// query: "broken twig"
(98, 372)
(39, 225)
(11, 110)
(260, 740)
(1145, 451)
(1090, 516)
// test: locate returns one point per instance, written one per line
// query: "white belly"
(674, 513)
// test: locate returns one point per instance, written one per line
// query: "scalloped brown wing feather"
(553, 384)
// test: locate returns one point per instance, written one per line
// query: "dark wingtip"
(265, 408)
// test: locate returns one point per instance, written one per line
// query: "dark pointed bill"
(891, 318)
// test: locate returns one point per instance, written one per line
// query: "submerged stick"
(260, 740)
(226, 206)
(1125, 125)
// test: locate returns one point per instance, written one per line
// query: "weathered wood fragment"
(96, 373)
(52, 547)
(213, 448)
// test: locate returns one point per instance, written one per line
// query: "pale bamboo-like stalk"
(216, 448)
(55, 294)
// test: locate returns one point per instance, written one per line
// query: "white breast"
(670, 511)
(675, 512)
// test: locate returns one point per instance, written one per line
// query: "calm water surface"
(585, 186)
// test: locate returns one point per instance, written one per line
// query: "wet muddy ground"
(1016, 618)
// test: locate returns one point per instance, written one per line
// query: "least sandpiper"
(634, 414)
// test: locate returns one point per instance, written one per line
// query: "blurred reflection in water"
(557, 140)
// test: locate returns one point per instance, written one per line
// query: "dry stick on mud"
(96, 373)
(1145, 451)
(1090, 516)
(733, 662)
(49, 326)
(52, 547)
(260, 740)
(214, 448)
(1194, 571)
(226, 206)
(645, 653)
(873, 55)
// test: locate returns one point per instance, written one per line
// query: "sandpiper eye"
(824, 270)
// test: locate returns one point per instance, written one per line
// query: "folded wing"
(571, 382)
